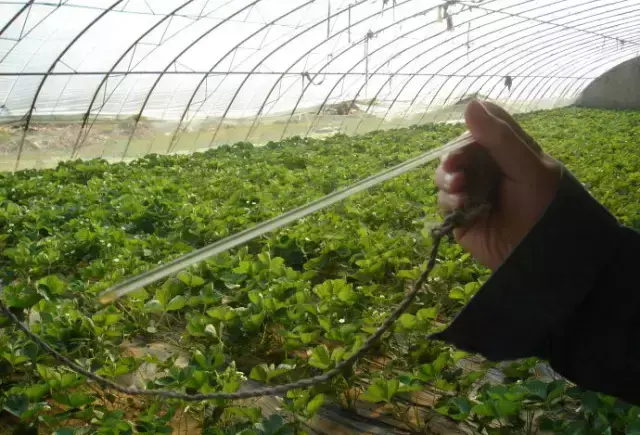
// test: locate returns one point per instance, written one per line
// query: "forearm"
(564, 294)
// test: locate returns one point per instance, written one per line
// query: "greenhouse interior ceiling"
(122, 79)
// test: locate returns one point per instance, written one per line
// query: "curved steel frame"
(53, 65)
(329, 17)
(113, 67)
(589, 70)
(439, 71)
(16, 16)
(228, 53)
(412, 76)
(586, 56)
(57, 7)
(280, 47)
(546, 60)
(334, 58)
(554, 54)
(547, 56)
(175, 59)
(107, 98)
(413, 101)
(598, 64)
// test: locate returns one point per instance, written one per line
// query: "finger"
(505, 116)
(450, 182)
(448, 202)
(462, 158)
(456, 160)
(515, 158)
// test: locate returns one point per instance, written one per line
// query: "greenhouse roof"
(192, 61)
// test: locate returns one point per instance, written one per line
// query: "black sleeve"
(569, 293)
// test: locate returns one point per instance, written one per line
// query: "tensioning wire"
(165, 270)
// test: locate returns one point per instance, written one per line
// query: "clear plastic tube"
(163, 271)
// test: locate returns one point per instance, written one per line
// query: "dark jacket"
(569, 293)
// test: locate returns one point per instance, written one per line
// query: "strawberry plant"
(289, 305)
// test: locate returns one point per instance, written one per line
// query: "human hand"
(506, 166)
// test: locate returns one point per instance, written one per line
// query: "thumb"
(512, 154)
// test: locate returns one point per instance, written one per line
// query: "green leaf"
(381, 390)
(347, 295)
(255, 297)
(176, 303)
(633, 428)
(536, 388)
(556, 389)
(17, 404)
(200, 359)
(190, 279)
(459, 355)
(506, 407)
(154, 306)
(74, 400)
(460, 408)
(315, 404)
(320, 357)
(408, 321)
(36, 392)
(162, 295)
(259, 373)
(54, 284)
(457, 294)
(426, 314)
(483, 410)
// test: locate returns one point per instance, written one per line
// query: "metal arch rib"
(377, 69)
(540, 23)
(115, 64)
(448, 64)
(588, 70)
(139, 61)
(551, 76)
(176, 133)
(195, 92)
(605, 59)
(543, 47)
(16, 16)
(278, 49)
(346, 50)
(175, 59)
(551, 23)
(411, 76)
(53, 65)
(437, 72)
(6, 27)
(333, 58)
(491, 51)
(522, 63)
(53, 11)
(510, 42)
(631, 55)
(415, 15)
(399, 69)
(273, 87)
(544, 83)
(546, 57)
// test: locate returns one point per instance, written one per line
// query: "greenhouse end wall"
(618, 88)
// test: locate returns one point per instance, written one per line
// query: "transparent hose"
(163, 271)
